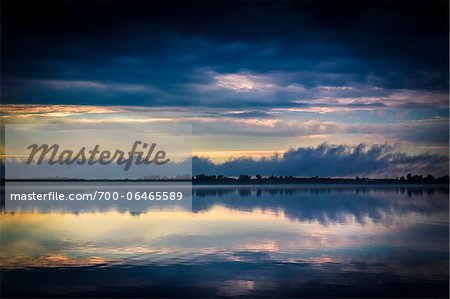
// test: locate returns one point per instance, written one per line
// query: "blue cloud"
(331, 160)
(166, 47)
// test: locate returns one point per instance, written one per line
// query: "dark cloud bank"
(155, 52)
(333, 161)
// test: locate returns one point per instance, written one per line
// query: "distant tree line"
(203, 179)
(258, 179)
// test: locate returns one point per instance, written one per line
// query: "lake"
(239, 241)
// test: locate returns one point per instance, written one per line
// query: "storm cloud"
(331, 161)
(251, 54)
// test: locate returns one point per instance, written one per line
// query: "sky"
(287, 88)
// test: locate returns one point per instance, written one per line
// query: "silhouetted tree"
(244, 178)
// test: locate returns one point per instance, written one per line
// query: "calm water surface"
(276, 241)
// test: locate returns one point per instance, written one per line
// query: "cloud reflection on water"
(253, 239)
